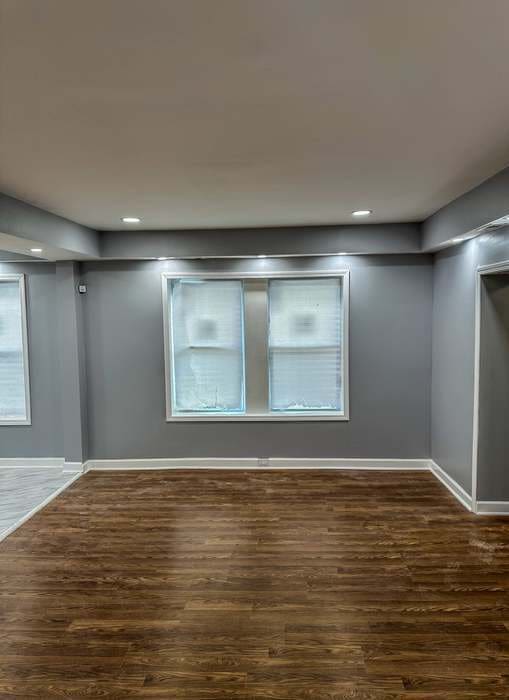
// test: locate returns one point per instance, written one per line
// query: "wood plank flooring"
(258, 585)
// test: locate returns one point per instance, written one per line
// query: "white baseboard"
(457, 491)
(493, 507)
(347, 463)
(72, 467)
(20, 462)
(253, 463)
(39, 507)
(40, 463)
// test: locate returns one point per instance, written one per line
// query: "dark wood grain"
(258, 585)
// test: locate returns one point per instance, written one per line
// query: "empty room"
(254, 349)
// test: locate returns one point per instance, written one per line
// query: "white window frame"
(266, 415)
(20, 279)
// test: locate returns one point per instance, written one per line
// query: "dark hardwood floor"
(256, 585)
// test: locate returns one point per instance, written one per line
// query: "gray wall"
(493, 462)
(24, 221)
(390, 351)
(452, 391)
(482, 204)
(41, 439)
(121, 328)
(453, 362)
(297, 240)
(71, 363)
(57, 366)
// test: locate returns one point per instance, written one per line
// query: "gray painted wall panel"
(453, 365)
(41, 439)
(21, 219)
(301, 240)
(484, 203)
(71, 354)
(390, 350)
(452, 401)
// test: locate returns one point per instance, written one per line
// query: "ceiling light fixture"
(362, 212)
(131, 220)
(261, 256)
(36, 250)
(162, 258)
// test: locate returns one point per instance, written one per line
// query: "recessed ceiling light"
(362, 212)
(131, 220)
(36, 250)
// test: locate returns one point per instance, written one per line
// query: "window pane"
(305, 345)
(12, 374)
(208, 346)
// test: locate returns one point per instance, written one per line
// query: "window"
(305, 345)
(256, 348)
(14, 384)
(207, 320)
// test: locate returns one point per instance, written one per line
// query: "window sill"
(257, 417)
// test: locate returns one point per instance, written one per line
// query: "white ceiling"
(212, 113)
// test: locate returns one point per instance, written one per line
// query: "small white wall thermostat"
(82, 288)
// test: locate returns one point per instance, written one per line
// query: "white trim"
(273, 416)
(477, 364)
(71, 467)
(482, 270)
(253, 463)
(257, 417)
(166, 346)
(349, 464)
(345, 349)
(29, 462)
(39, 507)
(493, 268)
(457, 491)
(27, 420)
(493, 507)
(40, 463)
(251, 274)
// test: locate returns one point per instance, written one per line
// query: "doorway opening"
(491, 419)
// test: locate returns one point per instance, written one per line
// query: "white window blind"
(13, 371)
(207, 336)
(305, 345)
